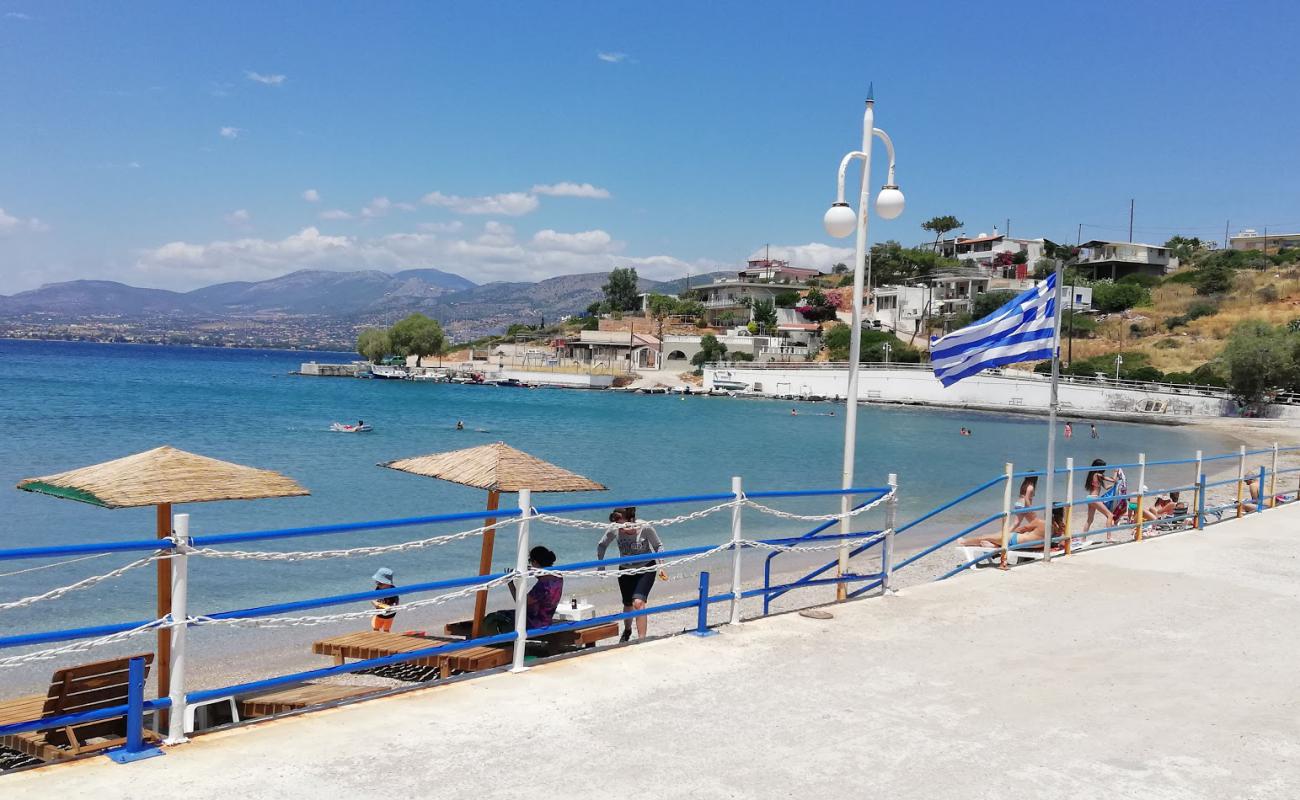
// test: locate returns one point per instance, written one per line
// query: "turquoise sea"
(66, 405)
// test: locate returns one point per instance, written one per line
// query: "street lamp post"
(840, 220)
(888, 347)
(1119, 359)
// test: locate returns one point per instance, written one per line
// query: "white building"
(984, 250)
(1250, 239)
(1102, 259)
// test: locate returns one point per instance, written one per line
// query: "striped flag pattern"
(1021, 330)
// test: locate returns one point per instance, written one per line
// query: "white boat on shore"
(723, 379)
(389, 372)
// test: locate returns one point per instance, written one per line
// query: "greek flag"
(1021, 330)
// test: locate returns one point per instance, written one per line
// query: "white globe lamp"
(889, 203)
(840, 220)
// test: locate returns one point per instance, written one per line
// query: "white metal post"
(1241, 477)
(179, 613)
(1196, 492)
(855, 348)
(1051, 415)
(1272, 481)
(1068, 514)
(1006, 511)
(521, 580)
(736, 512)
(887, 546)
(1141, 495)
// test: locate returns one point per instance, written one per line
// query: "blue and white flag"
(1021, 330)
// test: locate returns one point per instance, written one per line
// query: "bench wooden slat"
(311, 694)
(21, 709)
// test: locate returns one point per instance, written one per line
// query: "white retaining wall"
(1011, 391)
(580, 380)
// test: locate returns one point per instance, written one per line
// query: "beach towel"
(1118, 489)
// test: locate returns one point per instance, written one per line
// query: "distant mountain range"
(361, 297)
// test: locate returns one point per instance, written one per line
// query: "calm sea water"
(66, 405)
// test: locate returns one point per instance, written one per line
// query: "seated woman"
(1162, 507)
(541, 601)
(1021, 535)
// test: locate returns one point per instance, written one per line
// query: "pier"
(1156, 669)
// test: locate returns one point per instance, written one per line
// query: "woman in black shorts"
(633, 540)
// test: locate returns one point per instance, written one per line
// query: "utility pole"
(1265, 240)
(1130, 220)
(1078, 237)
(1007, 233)
(1226, 223)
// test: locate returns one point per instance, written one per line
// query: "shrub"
(1209, 374)
(787, 300)
(1114, 297)
(1201, 308)
(1267, 294)
(1169, 344)
(1186, 276)
(1141, 279)
(1178, 377)
(1177, 321)
(1212, 278)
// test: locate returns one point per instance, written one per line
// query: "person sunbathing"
(1162, 507)
(1251, 503)
(1021, 535)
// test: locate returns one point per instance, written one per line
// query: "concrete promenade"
(1157, 670)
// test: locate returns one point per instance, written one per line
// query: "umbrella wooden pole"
(162, 662)
(485, 564)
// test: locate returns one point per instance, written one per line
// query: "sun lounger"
(375, 644)
(586, 636)
(73, 690)
(292, 699)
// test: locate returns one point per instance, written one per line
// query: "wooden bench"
(473, 659)
(74, 690)
(586, 636)
(375, 644)
(292, 699)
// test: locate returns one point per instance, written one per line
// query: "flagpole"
(1051, 415)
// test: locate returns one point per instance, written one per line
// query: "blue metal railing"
(137, 706)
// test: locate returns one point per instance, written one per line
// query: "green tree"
(941, 225)
(1110, 298)
(417, 335)
(765, 314)
(872, 343)
(787, 300)
(1213, 277)
(710, 350)
(621, 289)
(1259, 360)
(840, 268)
(1184, 247)
(373, 344)
(988, 302)
(817, 307)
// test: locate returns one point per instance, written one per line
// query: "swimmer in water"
(794, 413)
(460, 426)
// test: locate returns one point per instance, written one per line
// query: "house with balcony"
(1099, 259)
(993, 252)
(1250, 239)
(767, 270)
(728, 301)
(625, 350)
(905, 308)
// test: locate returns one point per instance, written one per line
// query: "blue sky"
(171, 145)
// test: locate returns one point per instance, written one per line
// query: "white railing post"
(521, 581)
(1196, 493)
(1006, 512)
(1141, 495)
(1068, 513)
(738, 491)
(1272, 481)
(179, 613)
(887, 546)
(1241, 477)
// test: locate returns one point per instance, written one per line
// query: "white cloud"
(567, 189)
(510, 204)
(493, 253)
(12, 224)
(814, 254)
(377, 208)
(240, 218)
(17, 15)
(335, 213)
(596, 241)
(231, 132)
(311, 196)
(268, 80)
(219, 89)
(455, 226)
(612, 58)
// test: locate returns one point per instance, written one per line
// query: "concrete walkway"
(1165, 669)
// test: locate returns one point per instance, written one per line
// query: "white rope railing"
(352, 552)
(85, 583)
(776, 512)
(570, 522)
(83, 645)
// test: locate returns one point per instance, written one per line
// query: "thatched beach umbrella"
(161, 477)
(495, 468)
